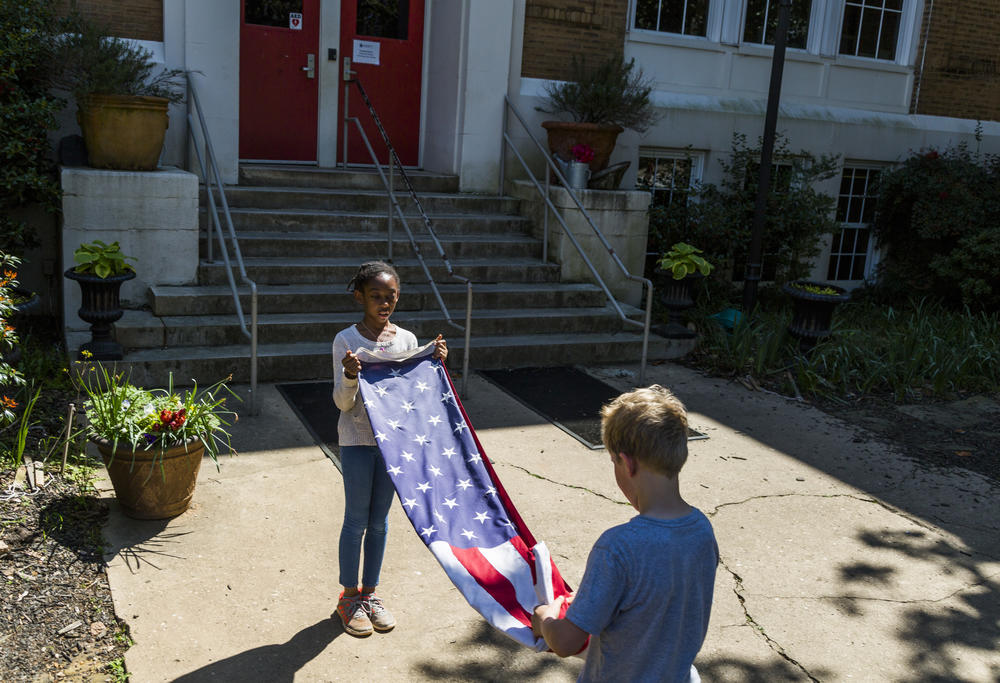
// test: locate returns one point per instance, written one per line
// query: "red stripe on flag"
(492, 581)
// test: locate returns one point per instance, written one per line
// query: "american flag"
(451, 493)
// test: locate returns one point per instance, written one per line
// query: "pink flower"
(583, 153)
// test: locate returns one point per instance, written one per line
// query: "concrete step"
(372, 201)
(306, 220)
(315, 270)
(218, 299)
(141, 329)
(312, 360)
(283, 175)
(331, 244)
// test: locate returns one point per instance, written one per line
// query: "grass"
(921, 349)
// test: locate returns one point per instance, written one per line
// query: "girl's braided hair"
(368, 272)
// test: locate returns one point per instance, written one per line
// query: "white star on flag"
(466, 519)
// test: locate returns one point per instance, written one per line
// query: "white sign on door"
(366, 52)
(295, 20)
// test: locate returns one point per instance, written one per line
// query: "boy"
(646, 594)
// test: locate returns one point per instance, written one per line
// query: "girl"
(367, 487)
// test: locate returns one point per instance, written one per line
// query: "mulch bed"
(57, 621)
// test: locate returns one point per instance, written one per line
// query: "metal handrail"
(210, 172)
(508, 142)
(394, 205)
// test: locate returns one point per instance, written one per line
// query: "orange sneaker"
(353, 615)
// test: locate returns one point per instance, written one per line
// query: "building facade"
(867, 80)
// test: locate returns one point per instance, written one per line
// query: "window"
(669, 176)
(762, 22)
(687, 17)
(855, 211)
(383, 18)
(270, 12)
(871, 28)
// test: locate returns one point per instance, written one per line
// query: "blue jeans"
(367, 497)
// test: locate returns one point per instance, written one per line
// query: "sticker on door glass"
(366, 52)
(295, 20)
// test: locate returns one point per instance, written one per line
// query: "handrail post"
(208, 189)
(545, 220)
(503, 151)
(391, 201)
(467, 351)
(253, 349)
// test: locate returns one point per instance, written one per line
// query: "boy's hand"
(352, 365)
(551, 610)
(440, 348)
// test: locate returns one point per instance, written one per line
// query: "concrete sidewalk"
(842, 559)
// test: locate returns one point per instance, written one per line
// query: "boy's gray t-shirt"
(645, 598)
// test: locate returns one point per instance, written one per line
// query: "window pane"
(762, 22)
(849, 31)
(697, 18)
(383, 18)
(871, 28)
(645, 14)
(647, 171)
(672, 16)
(270, 12)
(890, 34)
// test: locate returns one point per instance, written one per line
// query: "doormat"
(313, 403)
(567, 397)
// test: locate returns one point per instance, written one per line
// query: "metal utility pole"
(753, 270)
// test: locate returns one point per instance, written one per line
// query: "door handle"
(310, 67)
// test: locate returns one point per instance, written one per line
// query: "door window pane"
(762, 22)
(383, 18)
(270, 12)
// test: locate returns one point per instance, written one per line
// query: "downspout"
(923, 56)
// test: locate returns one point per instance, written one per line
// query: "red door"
(279, 41)
(384, 39)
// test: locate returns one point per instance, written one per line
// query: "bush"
(718, 219)
(938, 223)
(27, 114)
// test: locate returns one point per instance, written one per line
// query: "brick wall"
(557, 30)
(139, 19)
(961, 75)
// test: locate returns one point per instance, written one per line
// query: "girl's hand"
(352, 365)
(441, 348)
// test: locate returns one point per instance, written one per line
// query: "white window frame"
(696, 157)
(815, 26)
(871, 253)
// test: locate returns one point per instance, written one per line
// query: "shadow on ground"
(276, 663)
(498, 658)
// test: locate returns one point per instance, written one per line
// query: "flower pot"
(100, 306)
(123, 132)
(153, 484)
(676, 297)
(565, 135)
(812, 314)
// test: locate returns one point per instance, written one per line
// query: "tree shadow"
(137, 541)
(75, 522)
(502, 660)
(276, 663)
(737, 670)
(929, 630)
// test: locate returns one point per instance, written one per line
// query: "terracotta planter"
(812, 314)
(123, 132)
(564, 135)
(100, 306)
(153, 484)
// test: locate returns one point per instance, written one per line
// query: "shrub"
(27, 114)
(719, 217)
(938, 224)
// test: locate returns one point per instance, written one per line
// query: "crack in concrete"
(569, 486)
(771, 642)
(860, 598)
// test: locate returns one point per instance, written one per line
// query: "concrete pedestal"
(153, 215)
(621, 215)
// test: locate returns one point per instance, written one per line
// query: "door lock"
(310, 67)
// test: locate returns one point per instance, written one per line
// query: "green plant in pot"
(122, 101)
(152, 441)
(100, 270)
(684, 263)
(601, 102)
(812, 311)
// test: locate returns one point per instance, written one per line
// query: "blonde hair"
(649, 424)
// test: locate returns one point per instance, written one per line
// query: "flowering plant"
(155, 419)
(583, 153)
